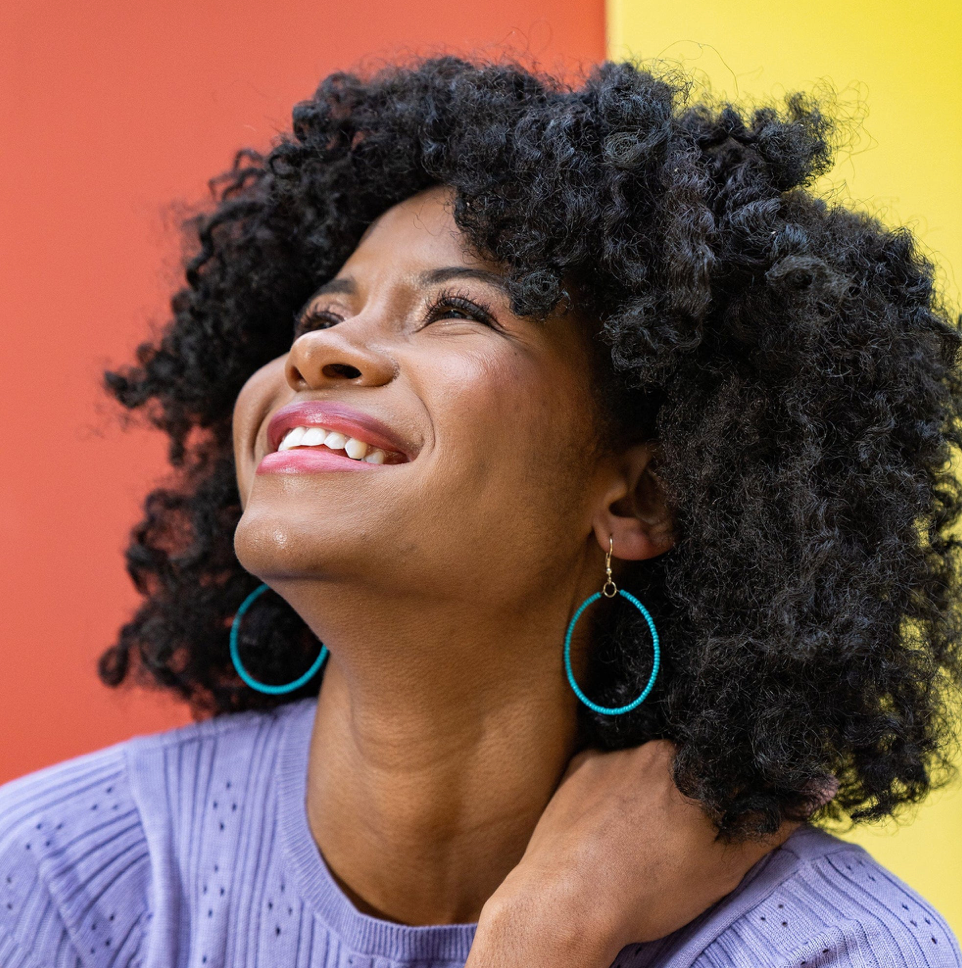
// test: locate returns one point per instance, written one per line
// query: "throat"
(420, 819)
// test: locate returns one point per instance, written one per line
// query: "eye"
(456, 305)
(314, 318)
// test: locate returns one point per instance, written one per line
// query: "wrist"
(537, 932)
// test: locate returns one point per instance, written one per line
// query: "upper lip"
(339, 417)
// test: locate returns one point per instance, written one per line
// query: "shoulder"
(851, 906)
(824, 901)
(818, 902)
(70, 833)
(91, 847)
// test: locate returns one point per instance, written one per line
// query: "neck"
(437, 743)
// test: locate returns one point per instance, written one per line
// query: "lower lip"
(307, 461)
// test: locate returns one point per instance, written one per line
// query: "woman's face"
(485, 419)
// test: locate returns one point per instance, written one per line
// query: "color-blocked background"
(111, 112)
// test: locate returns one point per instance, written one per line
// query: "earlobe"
(634, 540)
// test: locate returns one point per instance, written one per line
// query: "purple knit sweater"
(191, 848)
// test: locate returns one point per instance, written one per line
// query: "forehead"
(420, 230)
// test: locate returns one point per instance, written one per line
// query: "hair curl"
(792, 357)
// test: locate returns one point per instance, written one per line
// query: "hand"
(618, 856)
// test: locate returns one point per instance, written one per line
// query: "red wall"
(111, 111)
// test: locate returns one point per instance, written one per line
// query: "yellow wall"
(900, 62)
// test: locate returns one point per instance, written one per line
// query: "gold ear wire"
(609, 589)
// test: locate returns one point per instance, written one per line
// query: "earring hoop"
(609, 590)
(245, 675)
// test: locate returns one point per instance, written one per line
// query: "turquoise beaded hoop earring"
(609, 590)
(245, 675)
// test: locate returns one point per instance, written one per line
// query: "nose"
(329, 356)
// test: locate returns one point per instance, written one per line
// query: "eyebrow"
(434, 276)
(347, 286)
(341, 286)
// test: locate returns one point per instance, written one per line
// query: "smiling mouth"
(319, 438)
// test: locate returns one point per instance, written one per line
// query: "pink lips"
(310, 459)
(345, 420)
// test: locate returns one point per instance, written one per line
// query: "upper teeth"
(333, 440)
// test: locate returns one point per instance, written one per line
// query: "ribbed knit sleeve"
(74, 866)
(842, 910)
(819, 902)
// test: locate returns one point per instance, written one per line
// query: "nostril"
(343, 370)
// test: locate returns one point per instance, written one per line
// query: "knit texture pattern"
(191, 849)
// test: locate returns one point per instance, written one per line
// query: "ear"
(635, 512)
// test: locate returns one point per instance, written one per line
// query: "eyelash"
(454, 299)
(459, 300)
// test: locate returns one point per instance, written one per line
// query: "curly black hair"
(792, 357)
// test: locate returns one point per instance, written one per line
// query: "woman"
(550, 347)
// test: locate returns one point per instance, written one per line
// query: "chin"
(272, 543)
(278, 539)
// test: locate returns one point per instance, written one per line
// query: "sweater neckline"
(316, 885)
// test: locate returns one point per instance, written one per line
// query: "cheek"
(508, 491)
(512, 424)
(255, 399)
